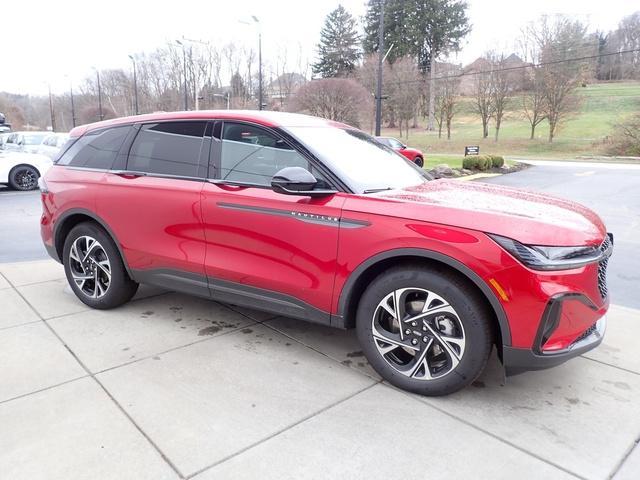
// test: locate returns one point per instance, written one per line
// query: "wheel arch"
(75, 216)
(361, 277)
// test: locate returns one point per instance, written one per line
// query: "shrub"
(470, 163)
(477, 162)
(497, 161)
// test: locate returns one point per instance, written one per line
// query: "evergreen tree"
(420, 28)
(338, 50)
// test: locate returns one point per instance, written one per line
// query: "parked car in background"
(52, 144)
(24, 141)
(3, 139)
(21, 170)
(413, 154)
(315, 220)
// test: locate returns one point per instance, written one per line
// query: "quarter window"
(254, 155)
(169, 148)
(96, 149)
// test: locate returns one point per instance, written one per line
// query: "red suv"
(315, 220)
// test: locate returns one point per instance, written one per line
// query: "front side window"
(254, 155)
(393, 143)
(34, 138)
(97, 149)
(168, 148)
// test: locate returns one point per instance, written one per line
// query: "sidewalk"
(171, 386)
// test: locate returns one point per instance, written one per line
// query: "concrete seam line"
(624, 458)
(480, 429)
(118, 406)
(142, 432)
(282, 430)
(320, 352)
(50, 387)
(172, 349)
(610, 365)
(20, 325)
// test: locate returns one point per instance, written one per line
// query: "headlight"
(549, 258)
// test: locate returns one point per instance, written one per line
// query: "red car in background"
(315, 220)
(412, 154)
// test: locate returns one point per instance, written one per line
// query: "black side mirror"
(297, 181)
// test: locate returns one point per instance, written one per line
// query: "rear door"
(151, 200)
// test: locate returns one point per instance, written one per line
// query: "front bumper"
(518, 360)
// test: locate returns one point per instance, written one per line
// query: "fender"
(88, 213)
(347, 289)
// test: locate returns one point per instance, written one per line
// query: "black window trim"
(216, 159)
(137, 127)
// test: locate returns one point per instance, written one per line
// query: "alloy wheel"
(418, 333)
(25, 179)
(90, 267)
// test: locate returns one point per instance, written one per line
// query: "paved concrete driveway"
(170, 386)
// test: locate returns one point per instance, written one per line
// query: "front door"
(265, 249)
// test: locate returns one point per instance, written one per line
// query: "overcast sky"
(45, 40)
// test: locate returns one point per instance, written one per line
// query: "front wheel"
(23, 177)
(94, 269)
(424, 330)
(419, 161)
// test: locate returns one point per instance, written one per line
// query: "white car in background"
(52, 144)
(21, 170)
(24, 141)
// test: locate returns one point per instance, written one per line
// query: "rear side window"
(169, 148)
(95, 149)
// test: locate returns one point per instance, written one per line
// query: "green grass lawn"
(584, 132)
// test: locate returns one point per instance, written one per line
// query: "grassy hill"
(584, 132)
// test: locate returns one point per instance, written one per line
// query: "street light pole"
(184, 60)
(73, 107)
(100, 113)
(53, 116)
(380, 60)
(260, 94)
(135, 84)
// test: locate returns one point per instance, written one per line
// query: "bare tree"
(404, 89)
(534, 104)
(340, 99)
(558, 39)
(502, 87)
(483, 96)
(446, 99)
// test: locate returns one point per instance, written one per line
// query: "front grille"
(602, 269)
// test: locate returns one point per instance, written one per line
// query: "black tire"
(120, 288)
(23, 177)
(471, 321)
(419, 161)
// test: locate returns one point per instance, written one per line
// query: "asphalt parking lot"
(171, 386)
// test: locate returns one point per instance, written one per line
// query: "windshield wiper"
(376, 190)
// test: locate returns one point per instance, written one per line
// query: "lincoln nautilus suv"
(316, 220)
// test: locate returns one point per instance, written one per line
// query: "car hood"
(528, 217)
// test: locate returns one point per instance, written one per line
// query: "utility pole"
(73, 107)
(100, 113)
(135, 84)
(53, 115)
(380, 60)
(184, 60)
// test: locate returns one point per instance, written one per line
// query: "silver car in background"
(27, 142)
(52, 144)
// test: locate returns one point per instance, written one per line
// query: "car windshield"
(34, 139)
(359, 160)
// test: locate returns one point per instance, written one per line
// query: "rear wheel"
(94, 269)
(419, 161)
(424, 330)
(23, 177)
